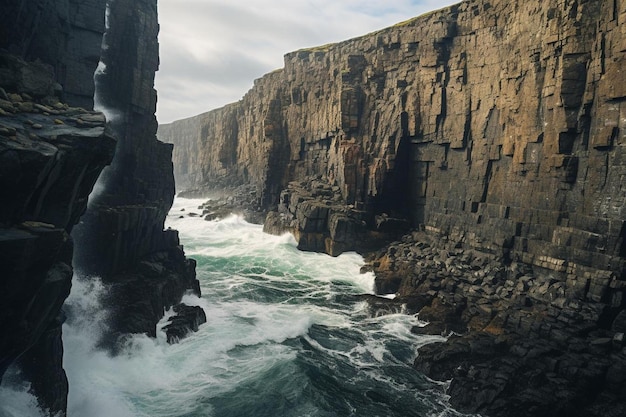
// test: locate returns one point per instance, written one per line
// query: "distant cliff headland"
(489, 140)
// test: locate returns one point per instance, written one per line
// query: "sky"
(211, 51)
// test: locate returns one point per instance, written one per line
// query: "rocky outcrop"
(121, 236)
(186, 320)
(492, 125)
(242, 201)
(315, 214)
(521, 342)
(51, 155)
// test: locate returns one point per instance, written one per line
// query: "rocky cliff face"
(122, 237)
(493, 122)
(65, 34)
(495, 126)
(51, 154)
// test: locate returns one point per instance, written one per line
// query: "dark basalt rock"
(121, 236)
(49, 163)
(52, 151)
(242, 201)
(186, 320)
(63, 40)
(140, 295)
(521, 344)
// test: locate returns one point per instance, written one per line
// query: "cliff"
(494, 127)
(65, 34)
(121, 236)
(52, 151)
(464, 120)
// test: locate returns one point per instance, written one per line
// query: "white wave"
(16, 401)
(259, 295)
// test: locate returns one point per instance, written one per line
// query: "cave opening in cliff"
(395, 197)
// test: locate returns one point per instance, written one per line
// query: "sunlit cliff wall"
(501, 123)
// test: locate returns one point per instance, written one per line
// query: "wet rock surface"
(185, 321)
(241, 201)
(50, 157)
(522, 341)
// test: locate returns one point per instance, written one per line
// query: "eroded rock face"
(494, 127)
(121, 236)
(51, 154)
(496, 122)
(315, 214)
(525, 341)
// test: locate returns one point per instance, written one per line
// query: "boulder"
(185, 321)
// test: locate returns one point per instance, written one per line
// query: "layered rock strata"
(495, 125)
(463, 120)
(122, 235)
(520, 344)
(51, 155)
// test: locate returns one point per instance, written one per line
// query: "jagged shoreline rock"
(223, 202)
(122, 237)
(524, 343)
(185, 321)
(314, 212)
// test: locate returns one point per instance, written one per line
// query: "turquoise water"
(286, 335)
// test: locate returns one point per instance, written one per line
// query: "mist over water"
(286, 335)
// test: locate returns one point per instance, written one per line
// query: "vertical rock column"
(122, 237)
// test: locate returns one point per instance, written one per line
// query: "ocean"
(287, 334)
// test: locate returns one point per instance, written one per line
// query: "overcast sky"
(212, 50)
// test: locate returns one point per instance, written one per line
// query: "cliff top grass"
(415, 19)
(320, 48)
(404, 23)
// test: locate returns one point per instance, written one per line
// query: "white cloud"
(212, 50)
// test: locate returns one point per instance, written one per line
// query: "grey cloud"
(212, 50)
(227, 68)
